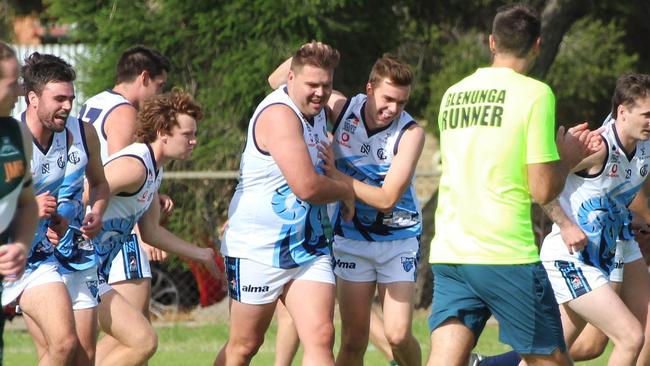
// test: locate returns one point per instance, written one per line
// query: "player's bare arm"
(397, 179)
(574, 238)
(546, 180)
(98, 190)
(279, 132)
(152, 232)
(120, 128)
(118, 182)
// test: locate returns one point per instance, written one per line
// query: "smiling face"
(53, 105)
(9, 72)
(180, 143)
(385, 102)
(310, 88)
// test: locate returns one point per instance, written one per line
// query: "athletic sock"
(393, 363)
(505, 359)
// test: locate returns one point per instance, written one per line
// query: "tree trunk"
(424, 282)
(557, 18)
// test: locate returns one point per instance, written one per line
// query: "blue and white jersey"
(73, 252)
(125, 210)
(267, 222)
(48, 170)
(598, 203)
(95, 111)
(366, 156)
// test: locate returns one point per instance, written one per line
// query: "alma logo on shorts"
(251, 288)
(345, 265)
(408, 263)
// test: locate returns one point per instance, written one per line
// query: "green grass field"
(183, 344)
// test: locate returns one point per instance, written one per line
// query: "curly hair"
(160, 113)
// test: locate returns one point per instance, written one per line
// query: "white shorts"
(251, 282)
(129, 265)
(371, 261)
(83, 288)
(571, 280)
(626, 252)
(44, 273)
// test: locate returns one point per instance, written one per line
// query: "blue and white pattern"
(48, 169)
(599, 203)
(366, 156)
(125, 210)
(268, 223)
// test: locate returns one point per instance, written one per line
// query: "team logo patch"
(93, 288)
(60, 162)
(644, 170)
(45, 168)
(7, 148)
(408, 263)
(365, 149)
(381, 154)
(74, 158)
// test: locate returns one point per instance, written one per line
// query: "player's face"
(310, 88)
(180, 143)
(9, 88)
(54, 104)
(386, 101)
(638, 118)
(152, 86)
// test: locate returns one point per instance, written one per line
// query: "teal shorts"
(519, 296)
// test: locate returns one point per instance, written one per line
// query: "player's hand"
(572, 144)
(13, 257)
(56, 229)
(574, 238)
(328, 162)
(91, 225)
(595, 141)
(154, 254)
(207, 260)
(166, 204)
(46, 205)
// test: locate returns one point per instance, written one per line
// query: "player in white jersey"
(275, 244)
(598, 196)
(40, 292)
(140, 74)
(376, 147)
(166, 131)
(75, 254)
(18, 209)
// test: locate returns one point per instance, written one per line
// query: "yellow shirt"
(492, 124)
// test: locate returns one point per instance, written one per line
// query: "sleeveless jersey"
(48, 169)
(267, 222)
(366, 156)
(599, 204)
(95, 111)
(73, 252)
(12, 174)
(124, 210)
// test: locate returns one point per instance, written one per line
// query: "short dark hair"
(40, 69)
(137, 59)
(391, 68)
(316, 54)
(160, 113)
(6, 52)
(629, 89)
(516, 28)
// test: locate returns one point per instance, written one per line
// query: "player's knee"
(246, 347)
(63, 347)
(320, 337)
(398, 337)
(354, 343)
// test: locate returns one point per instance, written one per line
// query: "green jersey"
(12, 173)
